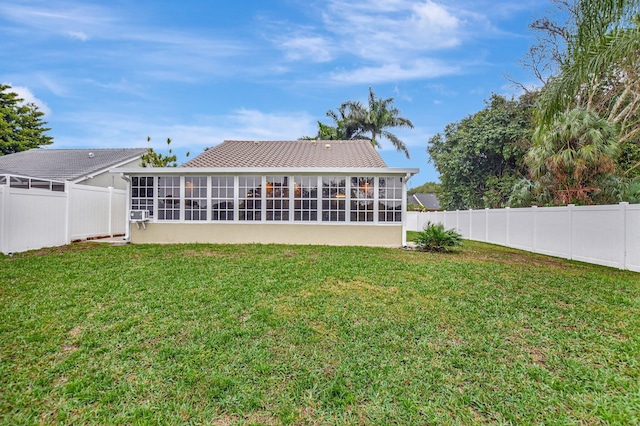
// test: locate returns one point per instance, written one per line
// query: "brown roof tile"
(301, 153)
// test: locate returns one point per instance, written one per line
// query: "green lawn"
(262, 334)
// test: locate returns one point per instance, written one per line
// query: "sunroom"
(274, 204)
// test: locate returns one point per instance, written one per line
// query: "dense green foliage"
(21, 125)
(425, 188)
(353, 120)
(215, 334)
(593, 59)
(437, 239)
(481, 157)
(156, 159)
(574, 159)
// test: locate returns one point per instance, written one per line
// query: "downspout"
(127, 230)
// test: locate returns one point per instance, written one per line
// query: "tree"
(356, 121)
(480, 158)
(372, 120)
(575, 159)
(601, 70)
(425, 188)
(155, 159)
(21, 125)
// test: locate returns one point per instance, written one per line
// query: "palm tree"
(601, 68)
(572, 159)
(374, 118)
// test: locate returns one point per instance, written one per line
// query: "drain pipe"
(127, 225)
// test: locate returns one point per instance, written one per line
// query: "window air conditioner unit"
(139, 215)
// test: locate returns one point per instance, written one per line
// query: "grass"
(215, 334)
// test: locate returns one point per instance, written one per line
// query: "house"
(82, 166)
(424, 202)
(290, 192)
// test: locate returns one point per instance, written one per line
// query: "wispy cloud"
(389, 40)
(95, 128)
(421, 69)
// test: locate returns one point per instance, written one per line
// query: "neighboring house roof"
(427, 201)
(300, 153)
(66, 164)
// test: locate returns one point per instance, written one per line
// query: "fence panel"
(118, 212)
(93, 212)
(553, 231)
(32, 219)
(478, 227)
(35, 218)
(598, 235)
(605, 235)
(521, 228)
(497, 226)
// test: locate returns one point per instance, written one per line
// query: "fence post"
(110, 211)
(4, 194)
(623, 208)
(457, 220)
(486, 224)
(508, 225)
(67, 214)
(570, 207)
(470, 224)
(534, 211)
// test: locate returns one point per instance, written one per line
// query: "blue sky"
(110, 73)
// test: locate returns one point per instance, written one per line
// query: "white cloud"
(78, 35)
(29, 98)
(425, 68)
(70, 19)
(99, 129)
(303, 48)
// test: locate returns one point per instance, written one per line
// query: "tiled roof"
(66, 164)
(301, 153)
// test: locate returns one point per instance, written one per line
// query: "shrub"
(436, 238)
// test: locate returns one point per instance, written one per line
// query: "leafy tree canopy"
(480, 158)
(353, 120)
(425, 188)
(575, 160)
(21, 125)
(156, 159)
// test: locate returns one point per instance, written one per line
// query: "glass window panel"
(277, 198)
(169, 198)
(390, 199)
(305, 198)
(195, 198)
(222, 197)
(333, 198)
(249, 198)
(142, 193)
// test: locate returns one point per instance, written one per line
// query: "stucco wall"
(270, 233)
(106, 179)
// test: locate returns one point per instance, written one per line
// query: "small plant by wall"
(436, 238)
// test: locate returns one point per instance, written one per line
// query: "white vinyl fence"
(32, 217)
(605, 235)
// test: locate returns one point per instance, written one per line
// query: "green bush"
(436, 238)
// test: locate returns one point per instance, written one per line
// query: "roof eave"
(264, 170)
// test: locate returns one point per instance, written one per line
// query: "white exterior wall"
(33, 218)
(604, 235)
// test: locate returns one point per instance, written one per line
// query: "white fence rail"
(36, 218)
(605, 235)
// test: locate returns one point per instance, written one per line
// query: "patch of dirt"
(69, 248)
